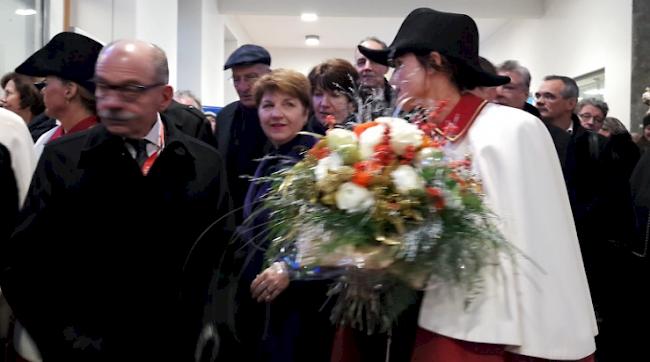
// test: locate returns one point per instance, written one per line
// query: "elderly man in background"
(515, 93)
(376, 93)
(592, 113)
(240, 138)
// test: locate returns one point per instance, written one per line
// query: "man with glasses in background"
(590, 175)
(128, 199)
(240, 138)
(592, 113)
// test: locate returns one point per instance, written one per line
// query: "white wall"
(157, 22)
(94, 18)
(302, 59)
(573, 38)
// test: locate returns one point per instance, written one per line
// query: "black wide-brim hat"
(452, 35)
(69, 56)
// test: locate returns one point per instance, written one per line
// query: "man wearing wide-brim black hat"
(535, 303)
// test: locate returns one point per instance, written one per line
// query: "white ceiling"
(343, 23)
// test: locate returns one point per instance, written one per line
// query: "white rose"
(369, 139)
(331, 162)
(404, 134)
(406, 178)
(428, 156)
(353, 198)
(339, 137)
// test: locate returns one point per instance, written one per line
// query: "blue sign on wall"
(212, 109)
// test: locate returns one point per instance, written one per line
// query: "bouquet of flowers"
(382, 211)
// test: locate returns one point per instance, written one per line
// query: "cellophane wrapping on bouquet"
(382, 212)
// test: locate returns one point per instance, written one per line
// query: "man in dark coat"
(240, 138)
(127, 198)
(595, 200)
(376, 94)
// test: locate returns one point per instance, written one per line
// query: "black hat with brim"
(248, 54)
(452, 35)
(69, 56)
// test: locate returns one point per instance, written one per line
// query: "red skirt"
(432, 347)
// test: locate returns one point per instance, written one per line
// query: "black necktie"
(140, 146)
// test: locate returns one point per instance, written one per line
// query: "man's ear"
(572, 103)
(166, 96)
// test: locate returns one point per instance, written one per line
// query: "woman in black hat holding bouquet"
(67, 62)
(535, 303)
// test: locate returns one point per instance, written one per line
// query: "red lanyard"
(146, 166)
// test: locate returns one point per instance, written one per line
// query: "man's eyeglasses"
(590, 116)
(128, 92)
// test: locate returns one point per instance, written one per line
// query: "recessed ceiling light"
(312, 40)
(308, 17)
(25, 12)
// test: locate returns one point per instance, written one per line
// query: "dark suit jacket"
(190, 121)
(8, 195)
(40, 124)
(240, 152)
(94, 270)
(532, 110)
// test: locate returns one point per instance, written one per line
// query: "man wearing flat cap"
(240, 138)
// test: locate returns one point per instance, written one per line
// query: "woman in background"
(333, 85)
(275, 318)
(21, 96)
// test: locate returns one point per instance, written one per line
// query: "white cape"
(15, 136)
(539, 307)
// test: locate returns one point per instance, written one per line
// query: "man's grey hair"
(375, 39)
(602, 105)
(187, 94)
(570, 86)
(513, 66)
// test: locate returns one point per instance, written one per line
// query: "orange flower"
(368, 166)
(436, 194)
(360, 128)
(320, 150)
(362, 178)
